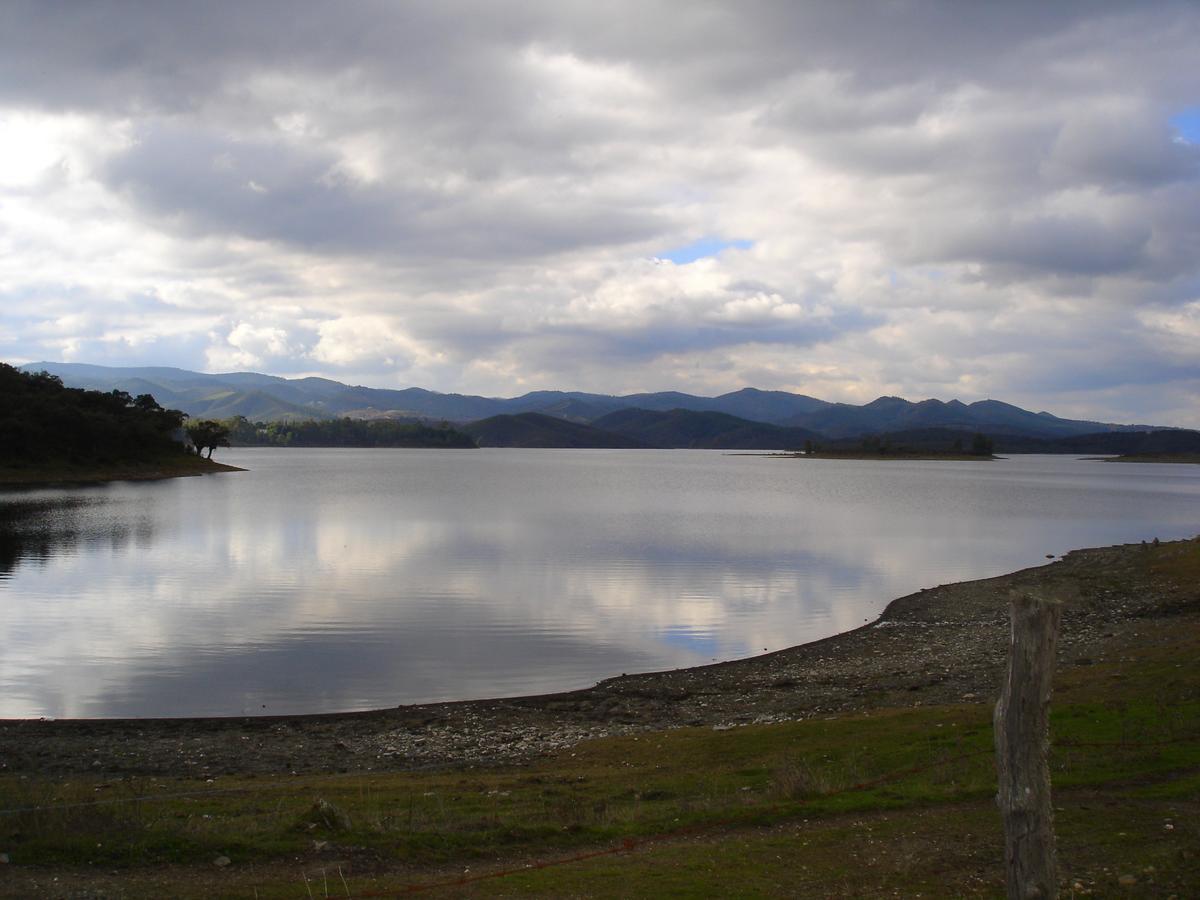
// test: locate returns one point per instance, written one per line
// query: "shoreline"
(898, 456)
(1175, 458)
(158, 470)
(940, 645)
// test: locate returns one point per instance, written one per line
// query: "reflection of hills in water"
(36, 530)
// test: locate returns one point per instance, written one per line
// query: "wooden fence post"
(1022, 742)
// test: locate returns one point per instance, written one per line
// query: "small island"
(902, 446)
(1184, 458)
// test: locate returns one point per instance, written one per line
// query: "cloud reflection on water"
(325, 580)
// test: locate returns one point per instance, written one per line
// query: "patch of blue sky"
(1187, 124)
(703, 643)
(702, 248)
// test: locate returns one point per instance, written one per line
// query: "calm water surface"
(325, 580)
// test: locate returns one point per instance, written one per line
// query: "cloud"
(1123, 147)
(247, 345)
(348, 340)
(932, 197)
(1055, 245)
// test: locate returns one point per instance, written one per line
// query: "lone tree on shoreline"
(207, 435)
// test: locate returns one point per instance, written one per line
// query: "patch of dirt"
(942, 645)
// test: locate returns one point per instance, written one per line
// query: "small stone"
(222, 861)
(1127, 880)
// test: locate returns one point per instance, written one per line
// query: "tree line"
(241, 432)
(43, 421)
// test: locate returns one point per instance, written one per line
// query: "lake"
(327, 580)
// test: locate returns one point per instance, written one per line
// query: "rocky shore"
(942, 645)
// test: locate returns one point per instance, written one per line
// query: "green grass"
(708, 811)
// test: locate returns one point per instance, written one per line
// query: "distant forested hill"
(1109, 442)
(268, 398)
(943, 440)
(895, 414)
(684, 428)
(41, 421)
(344, 433)
(537, 430)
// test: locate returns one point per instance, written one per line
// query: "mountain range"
(788, 419)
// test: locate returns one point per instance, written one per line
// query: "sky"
(842, 199)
